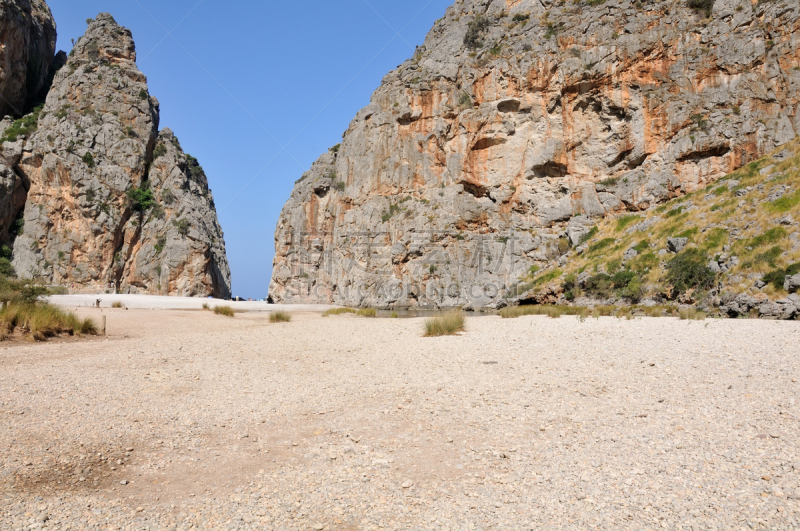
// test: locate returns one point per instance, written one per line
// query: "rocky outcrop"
(27, 48)
(111, 203)
(515, 116)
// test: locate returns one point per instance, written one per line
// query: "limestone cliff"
(517, 121)
(110, 201)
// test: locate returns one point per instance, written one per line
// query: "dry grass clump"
(117, 304)
(367, 312)
(338, 311)
(395, 315)
(227, 311)
(447, 324)
(206, 306)
(691, 314)
(279, 317)
(42, 321)
(554, 312)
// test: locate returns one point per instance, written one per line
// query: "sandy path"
(353, 423)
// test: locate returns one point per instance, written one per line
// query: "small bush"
(88, 159)
(182, 226)
(227, 311)
(117, 304)
(476, 30)
(338, 311)
(142, 94)
(394, 315)
(704, 6)
(447, 324)
(206, 306)
(777, 277)
(689, 271)
(140, 199)
(367, 312)
(691, 314)
(6, 269)
(279, 317)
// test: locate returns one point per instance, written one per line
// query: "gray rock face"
(111, 203)
(792, 283)
(676, 245)
(27, 48)
(487, 148)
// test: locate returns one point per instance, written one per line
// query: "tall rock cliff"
(518, 121)
(111, 202)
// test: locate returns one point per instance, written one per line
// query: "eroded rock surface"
(516, 116)
(111, 202)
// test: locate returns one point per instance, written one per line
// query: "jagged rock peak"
(111, 203)
(105, 41)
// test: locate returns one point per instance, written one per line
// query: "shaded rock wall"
(27, 48)
(475, 156)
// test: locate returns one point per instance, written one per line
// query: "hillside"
(732, 248)
(512, 119)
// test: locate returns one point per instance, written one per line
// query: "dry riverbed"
(185, 419)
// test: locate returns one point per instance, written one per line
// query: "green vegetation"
(140, 199)
(142, 94)
(387, 215)
(88, 159)
(280, 317)
(602, 244)
(335, 149)
(367, 312)
(777, 277)
(689, 271)
(161, 242)
(447, 324)
(227, 311)
(195, 170)
(22, 128)
(785, 203)
(624, 221)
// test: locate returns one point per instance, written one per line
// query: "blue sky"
(258, 90)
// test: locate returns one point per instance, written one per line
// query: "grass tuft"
(447, 324)
(691, 314)
(367, 312)
(41, 321)
(279, 317)
(227, 311)
(338, 311)
(117, 304)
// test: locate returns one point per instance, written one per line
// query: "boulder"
(676, 245)
(783, 309)
(792, 284)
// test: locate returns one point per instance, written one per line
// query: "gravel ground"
(155, 302)
(184, 419)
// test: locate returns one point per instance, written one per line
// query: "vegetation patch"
(140, 199)
(227, 311)
(447, 324)
(367, 312)
(280, 317)
(689, 271)
(339, 311)
(22, 128)
(624, 221)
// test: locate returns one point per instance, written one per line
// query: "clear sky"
(257, 90)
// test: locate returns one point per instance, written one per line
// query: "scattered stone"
(676, 245)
